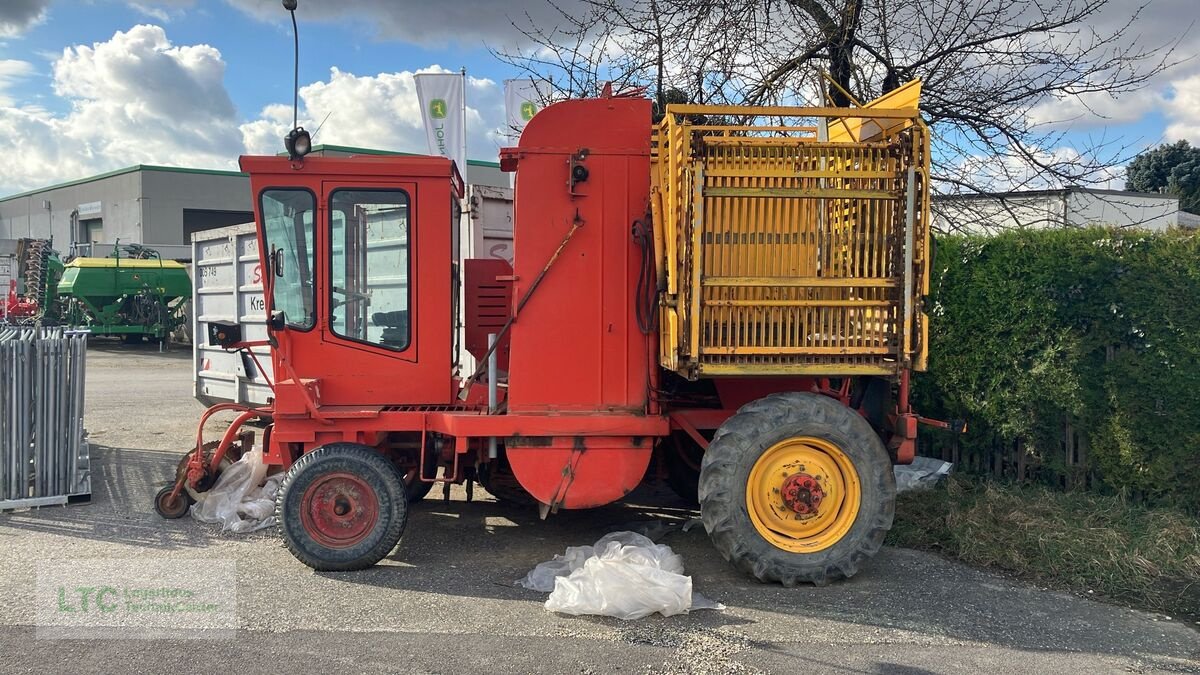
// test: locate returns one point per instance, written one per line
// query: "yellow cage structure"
(793, 240)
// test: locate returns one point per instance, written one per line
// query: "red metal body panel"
(575, 345)
(488, 295)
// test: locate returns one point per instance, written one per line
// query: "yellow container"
(793, 241)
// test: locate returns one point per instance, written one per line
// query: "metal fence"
(44, 456)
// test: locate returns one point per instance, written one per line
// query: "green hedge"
(1095, 326)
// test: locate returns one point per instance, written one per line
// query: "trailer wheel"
(341, 507)
(795, 488)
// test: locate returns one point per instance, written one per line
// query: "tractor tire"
(682, 457)
(414, 487)
(797, 488)
(341, 507)
(497, 478)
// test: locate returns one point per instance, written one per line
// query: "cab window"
(288, 231)
(369, 295)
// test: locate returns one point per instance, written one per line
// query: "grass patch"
(1145, 557)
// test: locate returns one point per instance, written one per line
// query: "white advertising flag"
(443, 105)
(522, 100)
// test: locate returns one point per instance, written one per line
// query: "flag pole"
(463, 168)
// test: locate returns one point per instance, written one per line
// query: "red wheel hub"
(339, 510)
(802, 493)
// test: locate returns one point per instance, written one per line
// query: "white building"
(1067, 207)
(156, 206)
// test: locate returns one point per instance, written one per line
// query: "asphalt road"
(445, 600)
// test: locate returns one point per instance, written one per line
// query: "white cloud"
(1183, 110)
(133, 99)
(10, 71)
(376, 111)
(139, 99)
(1009, 171)
(162, 10)
(1159, 24)
(1095, 109)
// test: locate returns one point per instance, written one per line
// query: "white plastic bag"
(624, 575)
(241, 501)
(924, 472)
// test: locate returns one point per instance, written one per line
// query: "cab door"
(382, 333)
(359, 265)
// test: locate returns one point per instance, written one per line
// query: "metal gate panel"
(44, 455)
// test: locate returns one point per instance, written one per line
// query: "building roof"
(118, 172)
(1188, 219)
(1059, 192)
(218, 172)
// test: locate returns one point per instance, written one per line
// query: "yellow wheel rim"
(803, 494)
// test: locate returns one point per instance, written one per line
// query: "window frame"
(408, 257)
(265, 253)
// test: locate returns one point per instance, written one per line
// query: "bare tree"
(988, 68)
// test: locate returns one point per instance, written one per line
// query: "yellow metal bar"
(803, 282)
(792, 351)
(697, 257)
(744, 127)
(720, 369)
(789, 111)
(798, 173)
(656, 224)
(799, 303)
(798, 193)
(791, 144)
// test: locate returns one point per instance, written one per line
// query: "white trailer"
(227, 288)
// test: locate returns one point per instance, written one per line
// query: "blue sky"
(92, 85)
(258, 51)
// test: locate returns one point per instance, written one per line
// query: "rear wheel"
(414, 487)
(497, 478)
(342, 507)
(682, 457)
(797, 488)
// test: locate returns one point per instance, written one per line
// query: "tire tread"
(739, 443)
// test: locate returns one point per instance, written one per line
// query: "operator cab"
(354, 248)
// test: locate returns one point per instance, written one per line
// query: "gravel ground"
(445, 601)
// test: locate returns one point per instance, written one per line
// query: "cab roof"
(365, 166)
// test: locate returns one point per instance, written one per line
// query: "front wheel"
(341, 507)
(795, 488)
(172, 509)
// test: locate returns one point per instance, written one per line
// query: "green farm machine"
(133, 293)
